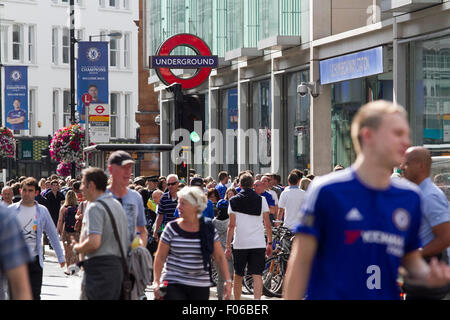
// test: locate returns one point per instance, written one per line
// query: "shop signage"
(204, 61)
(352, 66)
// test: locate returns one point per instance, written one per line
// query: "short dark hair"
(213, 191)
(246, 180)
(293, 178)
(96, 175)
(31, 182)
(76, 186)
(223, 175)
(298, 172)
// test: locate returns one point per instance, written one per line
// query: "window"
(31, 44)
(126, 50)
(17, 42)
(66, 45)
(113, 3)
(126, 4)
(127, 115)
(55, 109)
(114, 114)
(114, 53)
(55, 45)
(66, 107)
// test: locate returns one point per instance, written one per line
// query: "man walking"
(435, 228)
(249, 216)
(120, 165)
(14, 257)
(358, 225)
(34, 219)
(290, 203)
(103, 274)
(167, 204)
(54, 199)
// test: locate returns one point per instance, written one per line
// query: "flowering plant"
(66, 144)
(63, 169)
(7, 143)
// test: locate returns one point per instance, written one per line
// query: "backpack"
(69, 219)
(207, 232)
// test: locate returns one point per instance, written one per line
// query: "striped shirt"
(167, 207)
(13, 249)
(184, 264)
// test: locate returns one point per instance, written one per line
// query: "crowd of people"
(356, 228)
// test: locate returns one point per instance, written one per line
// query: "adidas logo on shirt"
(354, 215)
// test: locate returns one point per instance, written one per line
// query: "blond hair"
(370, 115)
(71, 199)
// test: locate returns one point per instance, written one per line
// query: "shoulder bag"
(127, 284)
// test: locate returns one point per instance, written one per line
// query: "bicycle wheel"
(247, 282)
(273, 277)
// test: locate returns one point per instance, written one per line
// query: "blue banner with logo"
(16, 97)
(92, 73)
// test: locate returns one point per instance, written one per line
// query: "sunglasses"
(172, 184)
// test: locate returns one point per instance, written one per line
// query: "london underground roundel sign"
(203, 62)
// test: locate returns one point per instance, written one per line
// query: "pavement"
(58, 286)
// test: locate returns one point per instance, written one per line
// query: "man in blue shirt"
(435, 228)
(222, 185)
(16, 117)
(358, 225)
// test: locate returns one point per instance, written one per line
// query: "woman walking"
(66, 227)
(183, 256)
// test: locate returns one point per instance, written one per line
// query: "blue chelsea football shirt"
(362, 235)
(16, 114)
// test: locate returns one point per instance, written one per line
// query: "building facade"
(354, 51)
(37, 34)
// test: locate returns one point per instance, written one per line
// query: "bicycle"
(276, 265)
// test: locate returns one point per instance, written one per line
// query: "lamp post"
(1, 66)
(72, 73)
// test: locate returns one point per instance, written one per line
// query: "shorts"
(253, 259)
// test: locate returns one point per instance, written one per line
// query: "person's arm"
(19, 283)
(143, 235)
(436, 274)
(268, 227)
(158, 223)
(230, 234)
(160, 258)
(299, 266)
(440, 242)
(59, 227)
(50, 229)
(221, 261)
(89, 245)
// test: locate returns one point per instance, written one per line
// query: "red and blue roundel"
(204, 61)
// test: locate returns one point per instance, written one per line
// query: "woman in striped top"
(179, 261)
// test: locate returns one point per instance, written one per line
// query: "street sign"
(99, 119)
(204, 61)
(86, 98)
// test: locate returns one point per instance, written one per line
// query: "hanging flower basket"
(7, 143)
(64, 168)
(67, 144)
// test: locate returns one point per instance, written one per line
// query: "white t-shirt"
(291, 200)
(28, 223)
(249, 231)
(274, 196)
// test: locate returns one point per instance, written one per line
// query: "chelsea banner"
(92, 71)
(16, 97)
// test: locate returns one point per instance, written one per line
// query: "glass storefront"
(347, 98)
(429, 87)
(261, 122)
(228, 125)
(297, 123)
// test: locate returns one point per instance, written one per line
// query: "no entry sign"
(204, 61)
